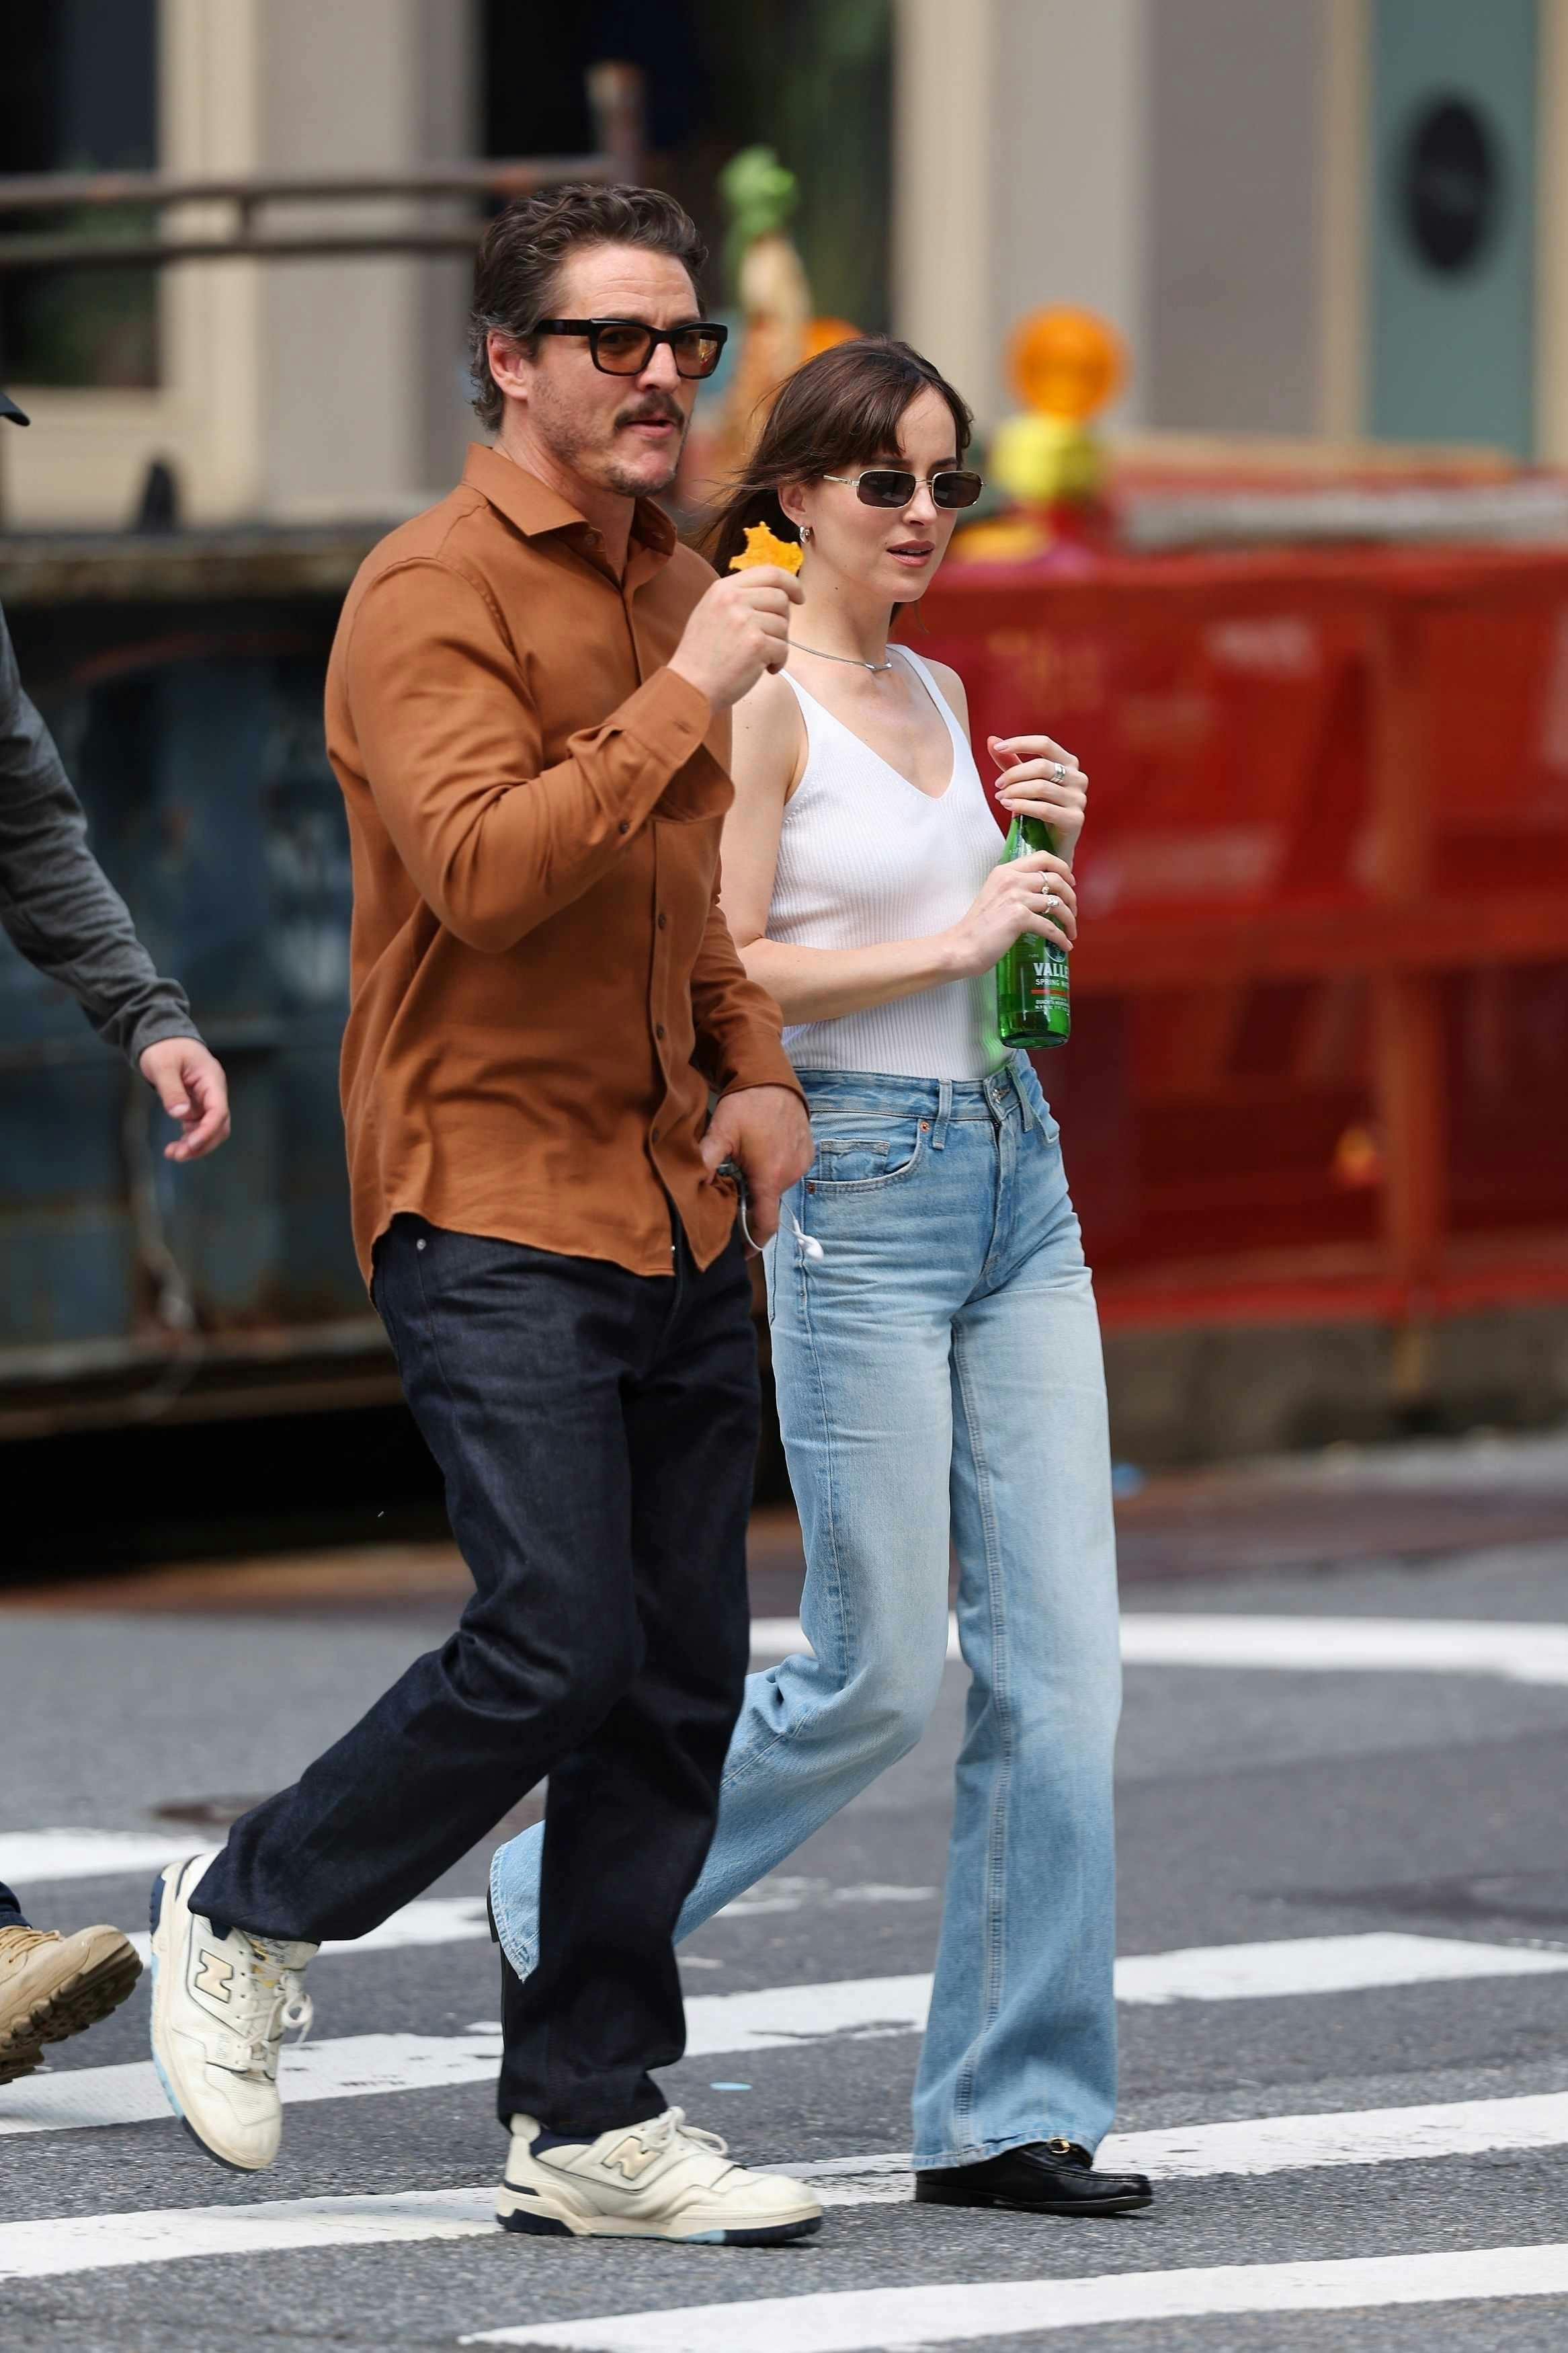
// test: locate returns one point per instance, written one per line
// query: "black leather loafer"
(1048, 2177)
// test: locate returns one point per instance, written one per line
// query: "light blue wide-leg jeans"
(939, 1372)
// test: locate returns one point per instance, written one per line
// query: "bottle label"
(1046, 976)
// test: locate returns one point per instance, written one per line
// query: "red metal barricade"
(1320, 1062)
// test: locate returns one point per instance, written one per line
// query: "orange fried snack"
(762, 547)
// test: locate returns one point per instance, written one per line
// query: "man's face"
(620, 433)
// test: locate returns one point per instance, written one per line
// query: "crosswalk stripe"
(1522, 1654)
(1320, 1965)
(90, 2243)
(778, 2017)
(1254, 2146)
(433, 1920)
(884, 2319)
(1258, 2145)
(40, 1858)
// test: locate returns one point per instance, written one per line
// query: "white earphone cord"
(808, 1244)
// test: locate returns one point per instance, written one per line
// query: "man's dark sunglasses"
(625, 346)
(894, 485)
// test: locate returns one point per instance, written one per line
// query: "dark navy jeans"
(596, 1430)
(11, 1913)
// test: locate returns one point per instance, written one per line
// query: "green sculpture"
(760, 193)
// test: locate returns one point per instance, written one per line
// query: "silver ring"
(1059, 773)
(1051, 903)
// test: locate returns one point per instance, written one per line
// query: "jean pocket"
(864, 1159)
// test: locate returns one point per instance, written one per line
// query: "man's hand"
(739, 628)
(766, 1131)
(191, 1086)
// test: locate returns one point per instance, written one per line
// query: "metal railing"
(615, 93)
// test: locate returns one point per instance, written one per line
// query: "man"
(60, 911)
(524, 711)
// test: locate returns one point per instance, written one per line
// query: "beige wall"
(1019, 174)
(358, 358)
(1233, 299)
(1070, 165)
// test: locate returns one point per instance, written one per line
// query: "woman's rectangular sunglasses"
(894, 485)
(625, 346)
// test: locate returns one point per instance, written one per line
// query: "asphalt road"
(1409, 1815)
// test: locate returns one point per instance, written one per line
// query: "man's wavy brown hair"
(518, 267)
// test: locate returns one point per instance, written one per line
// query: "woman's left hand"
(1043, 780)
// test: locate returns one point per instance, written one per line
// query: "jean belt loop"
(943, 1114)
(1032, 1114)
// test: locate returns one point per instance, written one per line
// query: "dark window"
(809, 78)
(78, 93)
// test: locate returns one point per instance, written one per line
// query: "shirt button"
(664, 923)
(653, 1135)
(659, 1029)
(623, 826)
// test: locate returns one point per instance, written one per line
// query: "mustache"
(662, 411)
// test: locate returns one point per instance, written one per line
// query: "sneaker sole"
(155, 1921)
(516, 2210)
(92, 1994)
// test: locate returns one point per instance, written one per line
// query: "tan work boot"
(52, 1986)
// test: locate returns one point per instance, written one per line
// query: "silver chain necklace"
(854, 659)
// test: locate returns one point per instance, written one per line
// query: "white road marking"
(1256, 2144)
(354, 2066)
(781, 2017)
(781, 1893)
(38, 2250)
(1525, 1653)
(433, 1920)
(42, 1857)
(1522, 1654)
(882, 2319)
(1315, 1964)
(91, 2243)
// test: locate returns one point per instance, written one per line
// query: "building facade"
(1336, 218)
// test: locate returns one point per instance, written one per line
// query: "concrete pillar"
(1344, 194)
(361, 357)
(1018, 176)
(214, 390)
(1235, 132)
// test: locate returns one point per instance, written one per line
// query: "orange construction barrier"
(1320, 1060)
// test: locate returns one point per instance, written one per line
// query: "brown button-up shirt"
(544, 990)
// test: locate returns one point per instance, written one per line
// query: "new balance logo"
(630, 2158)
(215, 1976)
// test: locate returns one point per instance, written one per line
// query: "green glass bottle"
(1033, 1004)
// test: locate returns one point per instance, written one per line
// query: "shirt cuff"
(758, 1061)
(670, 717)
(154, 1030)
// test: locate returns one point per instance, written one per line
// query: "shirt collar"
(534, 508)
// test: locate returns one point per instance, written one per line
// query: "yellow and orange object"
(762, 546)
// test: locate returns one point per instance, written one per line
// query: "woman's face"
(889, 552)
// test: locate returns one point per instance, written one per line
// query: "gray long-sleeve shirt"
(55, 902)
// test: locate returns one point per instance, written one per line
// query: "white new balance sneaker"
(220, 2008)
(661, 2179)
(52, 1986)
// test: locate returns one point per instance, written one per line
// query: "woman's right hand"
(1011, 903)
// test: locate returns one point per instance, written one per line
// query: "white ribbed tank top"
(864, 856)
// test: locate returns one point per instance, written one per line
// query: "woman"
(935, 1344)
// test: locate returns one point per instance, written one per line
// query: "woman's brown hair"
(841, 409)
